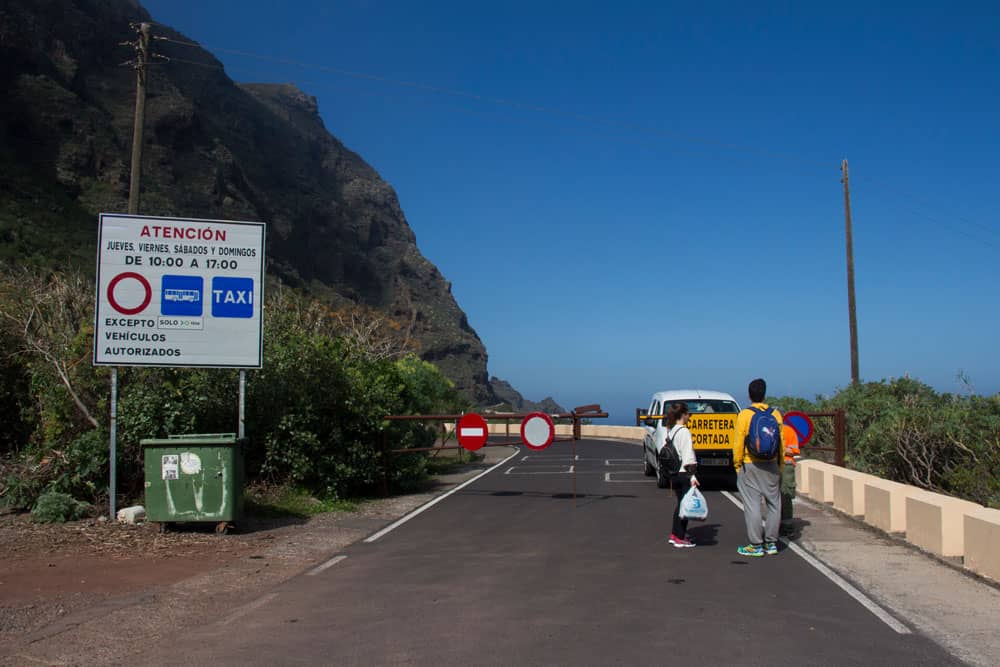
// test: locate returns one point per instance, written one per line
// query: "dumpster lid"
(216, 439)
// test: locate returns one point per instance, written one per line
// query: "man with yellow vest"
(758, 455)
(790, 439)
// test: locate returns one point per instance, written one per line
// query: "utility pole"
(851, 306)
(141, 69)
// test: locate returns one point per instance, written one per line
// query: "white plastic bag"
(693, 505)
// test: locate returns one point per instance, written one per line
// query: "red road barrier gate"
(468, 434)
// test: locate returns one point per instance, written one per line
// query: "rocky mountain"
(213, 148)
(508, 397)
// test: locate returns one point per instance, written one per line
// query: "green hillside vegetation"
(40, 224)
(314, 413)
(902, 430)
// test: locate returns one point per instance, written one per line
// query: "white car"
(711, 435)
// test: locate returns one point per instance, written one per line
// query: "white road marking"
(621, 462)
(246, 609)
(542, 460)
(846, 586)
(607, 478)
(423, 508)
(330, 563)
(569, 470)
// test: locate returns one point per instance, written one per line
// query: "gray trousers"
(760, 482)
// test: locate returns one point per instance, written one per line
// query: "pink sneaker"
(680, 542)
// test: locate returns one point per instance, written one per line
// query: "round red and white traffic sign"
(132, 297)
(472, 432)
(537, 430)
(801, 423)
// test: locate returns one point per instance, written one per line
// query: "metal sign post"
(241, 431)
(113, 462)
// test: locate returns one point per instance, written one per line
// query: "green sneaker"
(771, 549)
(752, 550)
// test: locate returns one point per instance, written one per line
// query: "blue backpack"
(764, 439)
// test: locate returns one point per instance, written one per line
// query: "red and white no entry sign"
(472, 431)
(537, 430)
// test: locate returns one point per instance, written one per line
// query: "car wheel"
(647, 468)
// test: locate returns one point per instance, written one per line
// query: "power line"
(563, 113)
(982, 226)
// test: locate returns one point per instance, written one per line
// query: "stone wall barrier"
(802, 476)
(885, 504)
(849, 491)
(982, 542)
(936, 523)
(820, 481)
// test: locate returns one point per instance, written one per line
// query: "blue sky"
(636, 196)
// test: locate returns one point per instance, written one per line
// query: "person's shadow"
(794, 531)
(704, 534)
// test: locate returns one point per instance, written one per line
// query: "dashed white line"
(846, 586)
(642, 480)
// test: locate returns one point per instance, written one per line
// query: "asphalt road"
(511, 570)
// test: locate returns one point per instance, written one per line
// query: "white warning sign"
(179, 292)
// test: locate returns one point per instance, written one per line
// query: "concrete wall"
(802, 476)
(885, 504)
(849, 491)
(982, 542)
(936, 523)
(820, 481)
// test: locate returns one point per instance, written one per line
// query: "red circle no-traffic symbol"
(537, 431)
(130, 275)
(472, 431)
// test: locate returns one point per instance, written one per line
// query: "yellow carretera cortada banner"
(713, 430)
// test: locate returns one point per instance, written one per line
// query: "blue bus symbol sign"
(181, 295)
(232, 297)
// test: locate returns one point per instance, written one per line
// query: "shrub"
(56, 507)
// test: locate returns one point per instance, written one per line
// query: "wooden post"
(140, 116)
(384, 456)
(839, 438)
(851, 305)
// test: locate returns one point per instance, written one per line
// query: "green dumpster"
(194, 478)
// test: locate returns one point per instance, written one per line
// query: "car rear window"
(699, 406)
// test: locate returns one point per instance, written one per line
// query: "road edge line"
(842, 583)
(330, 563)
(399, 522)
(247, 608)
